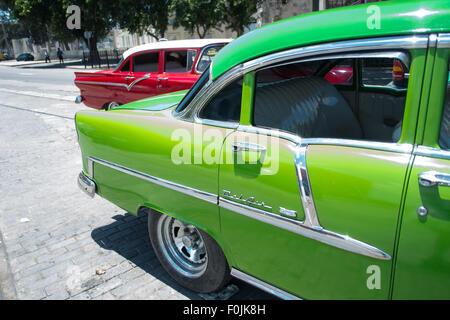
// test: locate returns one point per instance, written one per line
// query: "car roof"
(398, 17)
(174, 44)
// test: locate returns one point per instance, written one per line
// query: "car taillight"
(398, 73)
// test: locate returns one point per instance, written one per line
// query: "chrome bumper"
(86, 185)
(79, 99)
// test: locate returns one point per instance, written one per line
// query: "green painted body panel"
(354, 200)
(144, 141)
(247, 99)
(433, 113)
(355, 189)
(157, 103)
(423, 259)
(396, 18)
(412, 103)
(424, 252)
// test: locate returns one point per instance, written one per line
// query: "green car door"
(316, 215)
(422, 268)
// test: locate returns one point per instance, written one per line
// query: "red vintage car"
(148, 70)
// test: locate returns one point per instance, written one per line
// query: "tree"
(97, 16)
(46, 19)
(197, 16)
(144, 16)
(238, 14)
(28, 14)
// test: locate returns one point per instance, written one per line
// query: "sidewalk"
(68, 64)
(14, 63)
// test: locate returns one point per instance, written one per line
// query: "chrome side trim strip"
(202, 195)
(315, 233)
(443, 40)
(102, 83)
(215, 123)
(90, 168)
(130, 86)
(162, 97)
(432, 152)
(263, 285)
(383, 146)
(271, 132)
(309, 208)
(113, 84)
(432, 41)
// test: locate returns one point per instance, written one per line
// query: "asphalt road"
(59, 243)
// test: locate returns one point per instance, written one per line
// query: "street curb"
(37, 62)
(7, 288)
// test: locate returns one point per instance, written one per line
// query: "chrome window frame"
(441, 41)
(394, 54)
(165, 51)
(431, 152)
(387, 146)
(190, 113)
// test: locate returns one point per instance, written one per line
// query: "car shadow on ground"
(128, 236)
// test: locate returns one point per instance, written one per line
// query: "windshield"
(207, 56)
(198, 85)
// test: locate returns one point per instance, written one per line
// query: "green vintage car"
(276, 170)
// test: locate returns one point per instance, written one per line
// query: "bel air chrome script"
(249, 201)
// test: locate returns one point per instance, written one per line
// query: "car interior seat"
(310, 107)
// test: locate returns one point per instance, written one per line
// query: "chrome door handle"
(433, 178)
(245, 146)
(159, 82)
(129, 78)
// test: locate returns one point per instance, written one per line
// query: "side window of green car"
(309, 99)
(225, 105)
(444, 136)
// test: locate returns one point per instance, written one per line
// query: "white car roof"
(173, 44)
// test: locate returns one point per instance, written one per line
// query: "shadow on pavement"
(128, 237)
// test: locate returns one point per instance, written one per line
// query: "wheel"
(112, 105)
(189, 255)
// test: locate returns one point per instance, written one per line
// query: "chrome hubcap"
(113, 105)
(183, 246)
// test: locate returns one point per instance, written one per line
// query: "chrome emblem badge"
(288, 213)
(249, 201)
